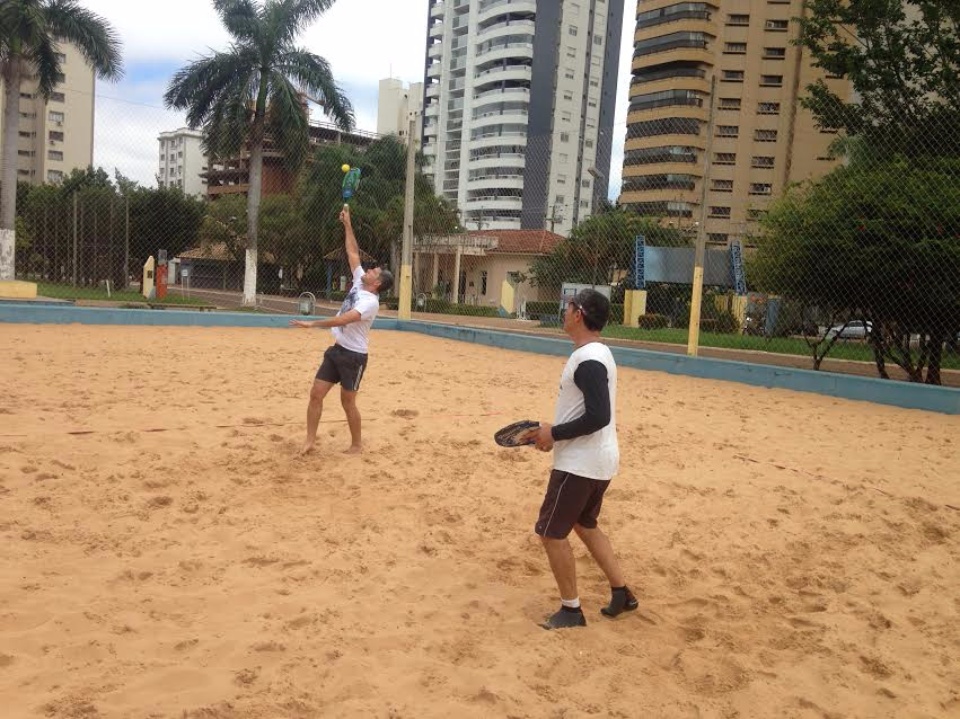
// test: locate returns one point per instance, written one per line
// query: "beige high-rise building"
(394, 105)
(762, 139)
(56, 136)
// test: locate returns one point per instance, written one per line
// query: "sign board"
(736, 267)
(639, 263)
(570, 290)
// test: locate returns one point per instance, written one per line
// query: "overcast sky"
(364, 41)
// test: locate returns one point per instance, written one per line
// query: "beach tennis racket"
(351, 183)
(518, 434)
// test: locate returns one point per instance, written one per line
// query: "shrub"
(652, 322)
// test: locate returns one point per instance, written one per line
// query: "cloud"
(364, 41)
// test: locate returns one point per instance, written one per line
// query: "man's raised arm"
(350, 241)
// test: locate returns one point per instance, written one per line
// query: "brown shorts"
(570, 500)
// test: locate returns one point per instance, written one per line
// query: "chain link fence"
(857, 270)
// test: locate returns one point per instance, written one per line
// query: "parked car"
(853, 330)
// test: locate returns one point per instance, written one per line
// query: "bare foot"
(307, 449)
(354, 449)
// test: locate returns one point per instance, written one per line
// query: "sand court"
(165, 553)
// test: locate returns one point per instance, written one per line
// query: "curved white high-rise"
(519, 99)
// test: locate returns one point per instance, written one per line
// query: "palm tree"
(30, 35)
(254, 90)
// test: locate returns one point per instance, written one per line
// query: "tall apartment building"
(394, 104)
(182, 161)
(56, 136)
(762, 139)
(519, 104)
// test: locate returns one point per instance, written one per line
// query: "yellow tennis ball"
(345, 168)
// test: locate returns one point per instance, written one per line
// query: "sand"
(794, 555)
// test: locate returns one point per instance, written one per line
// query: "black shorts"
(570, 500)
(343, 366)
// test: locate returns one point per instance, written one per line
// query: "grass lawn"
(843, 350)
(69, 292)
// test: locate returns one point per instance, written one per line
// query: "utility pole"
(696, 303)
(404, 309)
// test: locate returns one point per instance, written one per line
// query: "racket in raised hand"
(518, 434)
(351, 183)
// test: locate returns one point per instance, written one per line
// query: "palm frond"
(205, 82)
(228, 125)
(313, 75)
(240, 17)
(287, 121)
(44, 57)
(291, 17)
(94, 37)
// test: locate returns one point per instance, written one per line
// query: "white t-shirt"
(596, 455)
(354, 336)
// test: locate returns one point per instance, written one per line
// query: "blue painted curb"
(898, 394)
(67, 314)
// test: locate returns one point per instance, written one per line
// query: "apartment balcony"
(510, 51)
(501, 182)
(512, 27)
(494, 8)
(493, 202)
(505, 73)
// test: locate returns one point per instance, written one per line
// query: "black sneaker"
(566, 618)
(621, 600)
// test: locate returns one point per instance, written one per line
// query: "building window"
(55, 135)
(765, 136)
(588, 143)
(762, 161)
(732, 76)
(716, 211)
(569, 74)
(25, 153)
(26, 96)
(27, 134)
(483, 282)
(771, 80)
(761, 188)
(729, 103)
(564, 137)
(735, 48)
(717, 238)
(56, 117)
(739, 20)
(722, 186)
(728, 131)
(776, 25)
(597, 40)
(55, 155)
(572, 30)
(774, 53)
(54, 176)
(585, 184)
(768, 108)
(57, 97)
(561, 179)
(61, 57)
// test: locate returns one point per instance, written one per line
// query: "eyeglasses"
(574, 303)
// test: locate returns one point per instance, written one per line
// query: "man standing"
(585, 458)
(346, 360)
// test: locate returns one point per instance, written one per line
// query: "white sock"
(571, 603)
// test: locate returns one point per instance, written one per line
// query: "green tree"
(30, 35)
(252, 92)
(901, 56)
(877, 242)
(600, 246)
